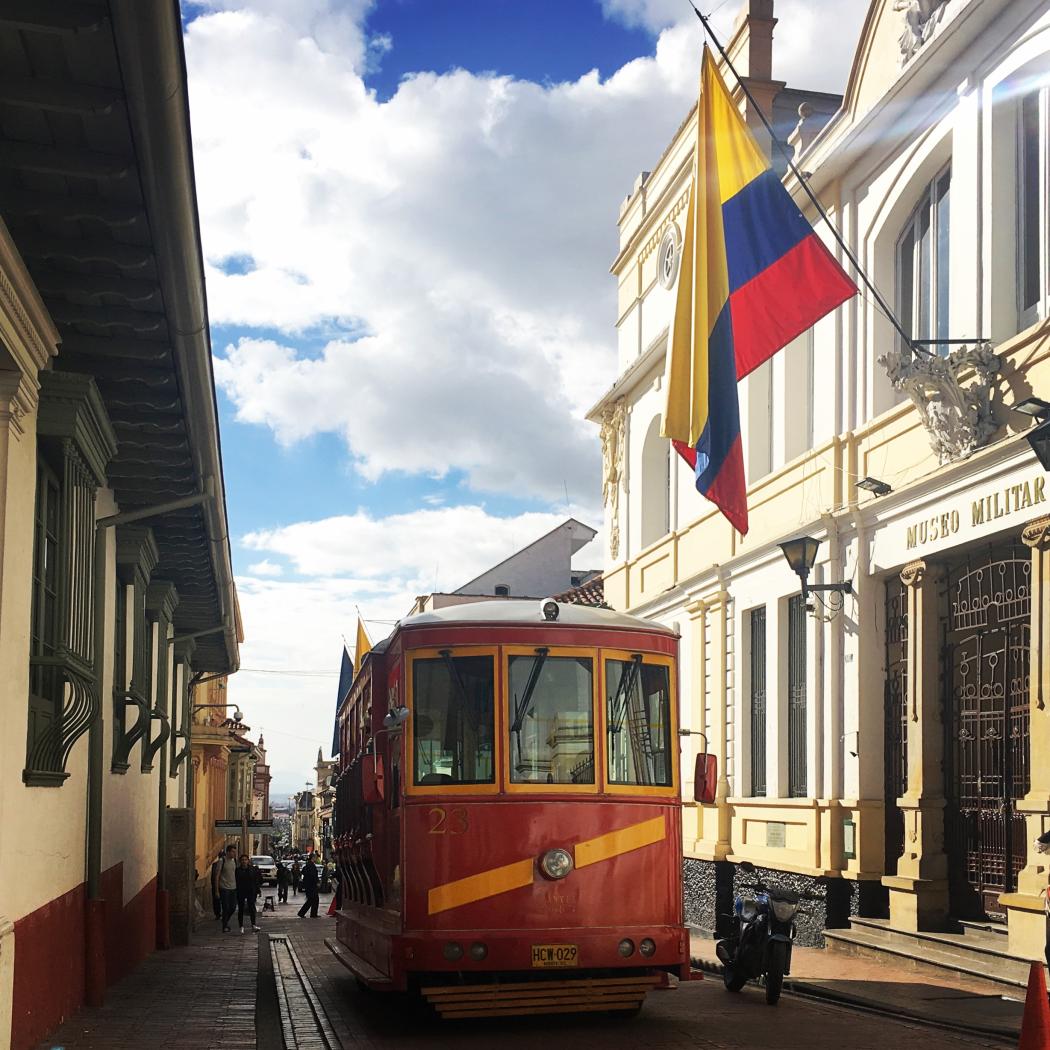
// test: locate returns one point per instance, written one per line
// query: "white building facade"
(899, 745)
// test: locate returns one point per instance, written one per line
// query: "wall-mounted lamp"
(1039, 436)
(801, 555)
(238, 715)
(874, 486)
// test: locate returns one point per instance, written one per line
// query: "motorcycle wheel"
(775, 973)
(733, 979)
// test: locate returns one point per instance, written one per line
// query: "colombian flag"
(753, 276)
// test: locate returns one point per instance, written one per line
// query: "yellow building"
(116, 586)
(900, 744)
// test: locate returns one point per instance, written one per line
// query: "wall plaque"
(776, 834)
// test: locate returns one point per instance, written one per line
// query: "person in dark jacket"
(310, 887)
(249, 879)
(297, 877)
(284, 877)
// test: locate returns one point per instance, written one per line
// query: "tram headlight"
(626, 947)
(556, 863)
(478, 951)
(452, 951)
(647, 947)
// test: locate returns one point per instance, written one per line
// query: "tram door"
(986, 678)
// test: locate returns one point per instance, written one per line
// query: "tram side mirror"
(373, 787)
(705, 779)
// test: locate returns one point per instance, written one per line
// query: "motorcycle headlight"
(784, 910)
(748, 908)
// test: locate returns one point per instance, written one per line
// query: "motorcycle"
(763, 932)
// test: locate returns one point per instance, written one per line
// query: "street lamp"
(801, 555)
(1039, 436)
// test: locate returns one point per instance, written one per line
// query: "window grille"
(797, 730)
(896, 713)
(74, 444)
(758, 701)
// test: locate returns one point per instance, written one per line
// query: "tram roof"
(530, 613)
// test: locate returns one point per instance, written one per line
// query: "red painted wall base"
(69, 950)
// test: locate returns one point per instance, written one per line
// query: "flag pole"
(804, 183)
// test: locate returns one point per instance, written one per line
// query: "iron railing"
(896, 718)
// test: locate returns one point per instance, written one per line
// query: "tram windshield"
(452, 720)
(551, 719)
(638, 717)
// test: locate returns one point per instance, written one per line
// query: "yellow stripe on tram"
(514, 876)
(624, 840)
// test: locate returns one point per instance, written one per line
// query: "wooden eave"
(96, 187)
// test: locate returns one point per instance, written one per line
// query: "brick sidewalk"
(196, 998)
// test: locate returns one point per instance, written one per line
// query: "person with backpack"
(311, 881)
(284, 877)
(224, 885)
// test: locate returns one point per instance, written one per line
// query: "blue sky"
(408, 211)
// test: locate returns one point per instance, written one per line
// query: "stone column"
(919, 890)
(1025, 907)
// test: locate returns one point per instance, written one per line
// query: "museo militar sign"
(982, 510)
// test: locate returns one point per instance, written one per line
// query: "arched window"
(656, 485)
(1033, 211)
(923, 267)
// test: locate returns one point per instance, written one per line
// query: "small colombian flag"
(753, 276)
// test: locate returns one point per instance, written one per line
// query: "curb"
(806, 990)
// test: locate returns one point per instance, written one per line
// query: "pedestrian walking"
(310, 883)
(224, 885)
(1042, 845)
(297, 877)
(284, 877)
(213, 879)
(248, 881)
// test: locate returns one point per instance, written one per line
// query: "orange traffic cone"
(1035, 1027)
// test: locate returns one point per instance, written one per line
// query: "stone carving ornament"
(957, 417)
(921, 18)
(614, 423)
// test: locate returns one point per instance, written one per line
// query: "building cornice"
(29, 334)
(631, 375)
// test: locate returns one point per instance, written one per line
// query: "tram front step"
(974, 952)
(540, 997)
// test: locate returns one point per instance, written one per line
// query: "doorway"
(986, 627)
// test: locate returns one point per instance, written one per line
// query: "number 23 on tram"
(508, 812)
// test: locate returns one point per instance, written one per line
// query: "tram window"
(551, 719)
(452, 720)
(639, 723)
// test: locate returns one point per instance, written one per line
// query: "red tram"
(507, 823)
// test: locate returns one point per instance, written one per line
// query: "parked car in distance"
(268, 868)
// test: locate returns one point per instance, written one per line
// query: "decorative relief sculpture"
(958, 418)
(614, 423)
(921, 18)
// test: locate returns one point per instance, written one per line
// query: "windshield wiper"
(522, 707)
(627, 680)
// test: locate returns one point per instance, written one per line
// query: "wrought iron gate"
(896, 712)
(986, 678)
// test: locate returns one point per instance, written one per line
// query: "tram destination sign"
(982, 510)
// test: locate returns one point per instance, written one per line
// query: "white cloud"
(265, 568)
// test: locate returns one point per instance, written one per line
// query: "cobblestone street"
(205, 997)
